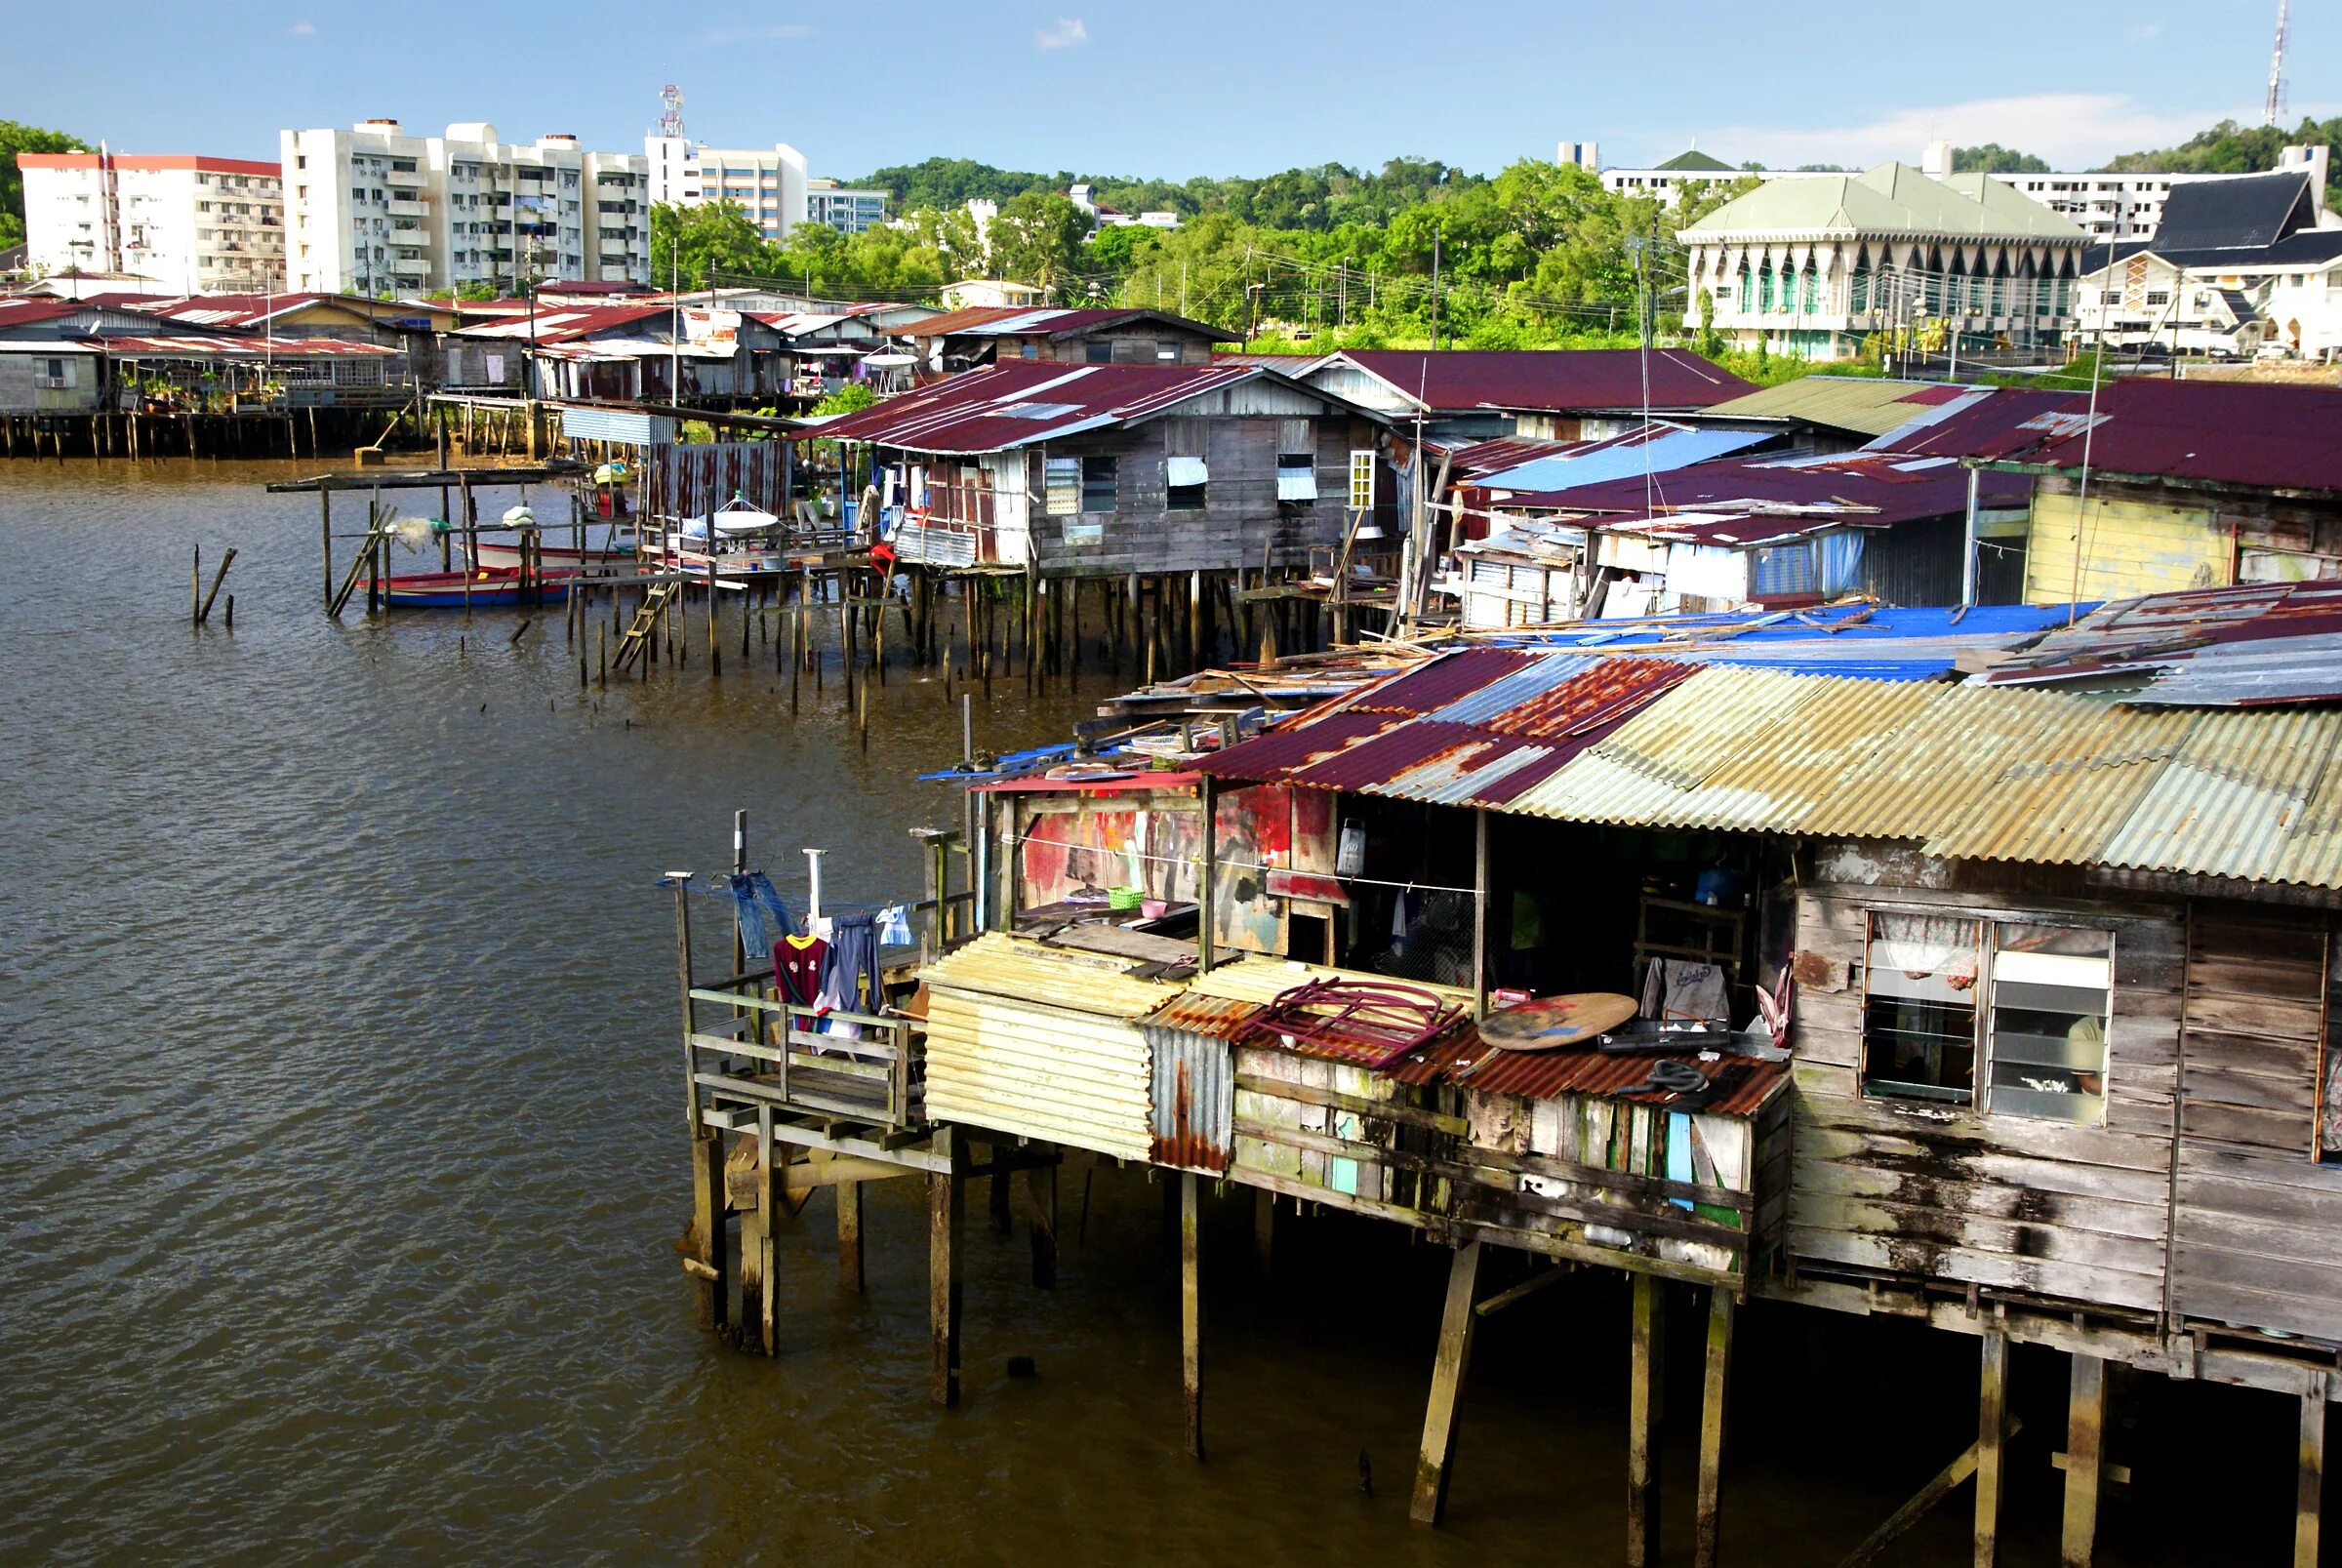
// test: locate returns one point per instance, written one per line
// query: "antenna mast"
(2276, 103)
(671, 98)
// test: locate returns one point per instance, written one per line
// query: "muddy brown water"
(342, 1158)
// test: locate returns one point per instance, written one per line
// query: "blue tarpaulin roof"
(1665, 450)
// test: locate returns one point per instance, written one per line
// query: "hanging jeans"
(763, 918)
(850, 982)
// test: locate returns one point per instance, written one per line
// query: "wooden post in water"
(1707, 1516)
(944, 1279)
(2310, 1482)
(1993, 1406)
(325, 523)
(2085, 1443)
(849, 1236)
(1191, 1310)
(708, 1224)
(1438, 1453)
(1645, 1420)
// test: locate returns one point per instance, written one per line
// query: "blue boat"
(488, 589)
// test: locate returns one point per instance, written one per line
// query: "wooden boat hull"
(506, 557)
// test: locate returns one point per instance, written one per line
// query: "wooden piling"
(2085, 1440)
(849, 1236)
(1191, 1310)
(1707, 1517)
(1645, 1413)
(944, 1279)
(1438, 1452)
(764, 1313)
(707, 1226)
(2310, 1482)
(1992, 1409)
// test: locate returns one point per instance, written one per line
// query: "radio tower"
(670, 97)
(2277, 69)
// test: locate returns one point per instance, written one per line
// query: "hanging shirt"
(798, 966)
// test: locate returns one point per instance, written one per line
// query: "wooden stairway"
(635, 642)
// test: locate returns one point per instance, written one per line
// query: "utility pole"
(1436, 234)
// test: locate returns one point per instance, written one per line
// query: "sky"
(1200, 87)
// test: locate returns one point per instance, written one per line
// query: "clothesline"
(1232, 866)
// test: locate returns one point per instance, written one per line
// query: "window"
(1361, 480)
(1183, 482)
(1098, 351)
(53, 374)
(1167, 351)
(2050, 990)
(1098, 484)
(1919, 1010)
(1028, 350)
(2036, 1014)
(2159, 297)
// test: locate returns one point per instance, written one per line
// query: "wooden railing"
(773, 1051)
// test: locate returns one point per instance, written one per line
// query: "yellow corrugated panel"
(1842, 402)
(1039, 1043)
(2128, 548)
(2250, 795)
(1255, 977)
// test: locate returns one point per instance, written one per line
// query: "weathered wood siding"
(1239, 525)
(1945, 1194)
(1131, 345)
(2257, 1228)
(2145, 537)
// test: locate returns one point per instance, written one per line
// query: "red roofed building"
(984, 335)
(1572, 394)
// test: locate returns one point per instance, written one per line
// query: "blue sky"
(1199, 87)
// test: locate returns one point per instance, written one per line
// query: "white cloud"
(2146, 32)
(304, 29)
(1068, 33)
(2070, 130)
(757, 35)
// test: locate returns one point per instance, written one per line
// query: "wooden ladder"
(634, 643)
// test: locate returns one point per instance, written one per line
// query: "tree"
(1038, 239)
(1994, 159)
(1111, 249)
(695, 245)
(16, 139)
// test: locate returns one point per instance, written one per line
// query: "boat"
(557, 560)
(482, 589)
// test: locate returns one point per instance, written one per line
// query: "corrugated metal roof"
(1864, 405)
(1666, 449)
(1457, 381)
(2254, 434)
(1024, 402)
(1993, 423)
(1468, 1062)
(1441, 681)
(1867, 487)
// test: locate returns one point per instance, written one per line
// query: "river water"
(342, 1160)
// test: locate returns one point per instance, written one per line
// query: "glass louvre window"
(1918, 1014)
(2050, 986)
(1098, 484)
(1061, 477)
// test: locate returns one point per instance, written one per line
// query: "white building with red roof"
(186, 222)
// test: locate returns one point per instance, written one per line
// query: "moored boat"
(482, 589)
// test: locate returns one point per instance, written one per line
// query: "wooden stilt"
(707, 1226)
(1708, 1519)
(1264, 1230)
(849, 1236)
(2086, 1439)
(766, 1316)
(1646, 1377)
(1993, 1407)
(1438, 1453)
(943, 1279)
(1190, 1312)
(1041, 1201)
(2310, 1486)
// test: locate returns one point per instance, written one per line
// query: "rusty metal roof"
(1464, 1061)
(1223, 1018)
(1439, 682)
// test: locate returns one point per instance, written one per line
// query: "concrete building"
(373, 210)
(190, 223)
(768, 183)
(2104, 205)
(843, 208)
(1813, 267)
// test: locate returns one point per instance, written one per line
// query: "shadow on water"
(342, 1160)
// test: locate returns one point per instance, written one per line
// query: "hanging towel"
(763, 918)
(850, 978)
(894, 926)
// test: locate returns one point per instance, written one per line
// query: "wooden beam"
(2086, 1441)
(1707, 1520)
(849, 1236)
(1190, 1311)
(1947, 1481)
(1438, 1452)
(2310, 1484)
(708, 1224)
(1992, 1413)
(1644, 1415)
(944, 1279)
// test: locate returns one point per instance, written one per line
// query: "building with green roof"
(1813, 267)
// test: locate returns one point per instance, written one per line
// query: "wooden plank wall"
(1239, 522)
(1944, 1193)
(2257, 1232)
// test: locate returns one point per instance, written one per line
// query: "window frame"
(1363, 463)
(1987, 928)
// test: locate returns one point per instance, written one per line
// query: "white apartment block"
(373, 210)
(2105, 206)
(768, 183)
(192, 224)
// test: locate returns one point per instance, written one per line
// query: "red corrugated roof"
(1558, 380)
(1464, 1060)
(1024, 402)
(2229, 432)
(1442, 681)
(566, 323)
(1986, 424)
(1892, 489)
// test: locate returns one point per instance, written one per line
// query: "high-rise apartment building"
(192, 224)
(768, 183)
(373, 210)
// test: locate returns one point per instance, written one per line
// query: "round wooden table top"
(1557, 1023)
